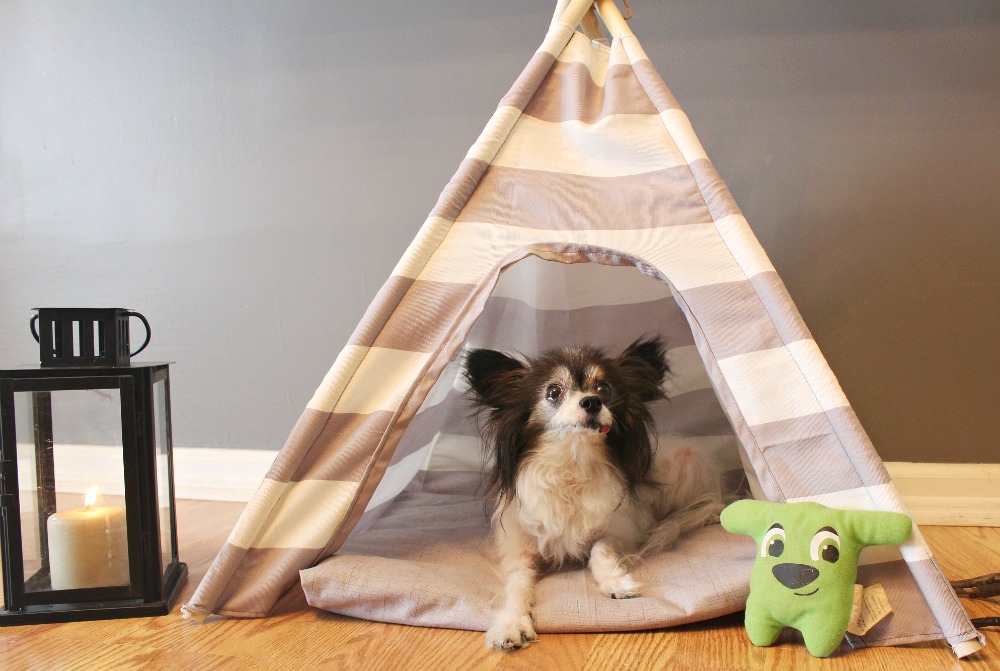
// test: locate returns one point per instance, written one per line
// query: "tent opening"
(427, 522)
(538, 305)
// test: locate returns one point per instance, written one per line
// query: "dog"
(573, 473)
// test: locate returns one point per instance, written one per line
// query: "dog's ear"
(644, 362)
(492, 376)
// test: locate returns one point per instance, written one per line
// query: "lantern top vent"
(71, 337)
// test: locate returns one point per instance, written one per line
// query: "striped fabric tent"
(586, 212)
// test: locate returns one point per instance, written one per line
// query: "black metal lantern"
(70, 433)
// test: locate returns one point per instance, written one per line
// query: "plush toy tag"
(871, 606)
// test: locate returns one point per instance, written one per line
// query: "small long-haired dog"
(575, 475)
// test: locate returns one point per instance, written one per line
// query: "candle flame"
(88, 503)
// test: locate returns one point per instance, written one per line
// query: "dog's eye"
(825, 545)
(604, 391)
(553, 392)
(773, 544)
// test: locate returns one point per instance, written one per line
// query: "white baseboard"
(215, 474)
(935, 494)
(204, 473)
(949, 494)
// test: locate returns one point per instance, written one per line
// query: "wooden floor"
(305, 640)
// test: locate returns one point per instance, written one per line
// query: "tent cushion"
(429, 562)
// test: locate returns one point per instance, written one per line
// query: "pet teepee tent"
(587, 211)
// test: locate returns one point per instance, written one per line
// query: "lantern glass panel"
(164, 479)
(29, 488)
(72, 489)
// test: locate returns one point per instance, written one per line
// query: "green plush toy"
(806, 565)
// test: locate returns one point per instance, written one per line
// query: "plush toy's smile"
(807, 593)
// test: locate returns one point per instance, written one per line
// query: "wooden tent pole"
(574, 12)
(560, 8)
(591, 26)
(613, 19)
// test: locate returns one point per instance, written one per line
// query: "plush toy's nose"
(794, 576)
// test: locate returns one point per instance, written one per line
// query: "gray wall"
(246, 174)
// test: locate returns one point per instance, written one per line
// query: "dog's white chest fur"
(566, 492)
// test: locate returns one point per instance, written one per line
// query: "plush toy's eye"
(825, 545)
(604, 391)
(773, 544)
(553, 392)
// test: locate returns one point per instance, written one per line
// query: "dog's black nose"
(794, 576)
(592, 404)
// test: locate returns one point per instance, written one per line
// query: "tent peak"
(573, 12)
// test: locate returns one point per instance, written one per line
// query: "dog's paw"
(511, 633)
(624, 587)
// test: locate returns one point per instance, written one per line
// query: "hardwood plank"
(558, 652)
(306, 640)
(390, 646)
(92, 655)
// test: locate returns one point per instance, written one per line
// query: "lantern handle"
(145, 323)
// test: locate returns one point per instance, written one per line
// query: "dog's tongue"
(605, 429)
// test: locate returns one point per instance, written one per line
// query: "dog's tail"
(698, 513)
(690, 497)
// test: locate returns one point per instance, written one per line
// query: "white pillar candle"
(88, 547)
